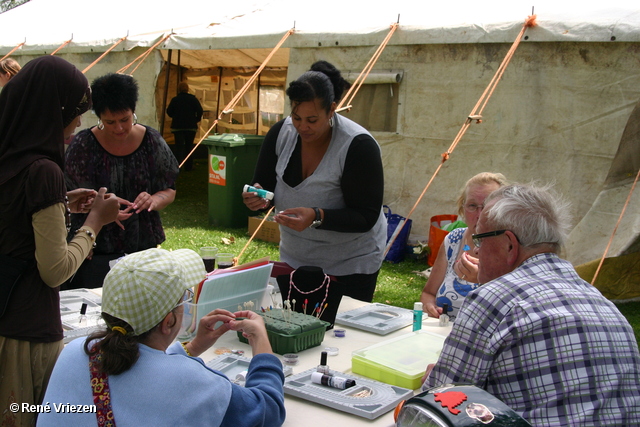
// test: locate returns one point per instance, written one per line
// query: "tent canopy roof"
(259, 24)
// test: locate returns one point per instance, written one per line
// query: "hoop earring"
(135, 119)
(331, 121)
(100, 125)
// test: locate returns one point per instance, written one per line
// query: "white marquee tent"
(557, 116)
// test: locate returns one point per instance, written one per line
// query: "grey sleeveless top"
(337, 253)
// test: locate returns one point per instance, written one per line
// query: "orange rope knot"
(445, 156)
(531, 21)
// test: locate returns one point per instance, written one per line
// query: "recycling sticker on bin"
(217, 169)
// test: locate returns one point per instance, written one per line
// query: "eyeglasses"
(477, 238)
(472, 207)
(187, 297)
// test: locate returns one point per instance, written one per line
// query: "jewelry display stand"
(314, 292)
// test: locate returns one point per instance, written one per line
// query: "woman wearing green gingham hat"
(137, 374)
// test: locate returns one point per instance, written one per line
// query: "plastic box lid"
(233, 140)
(406, 357)
(194, 312)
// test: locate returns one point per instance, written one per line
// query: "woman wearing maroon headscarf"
(39, 108)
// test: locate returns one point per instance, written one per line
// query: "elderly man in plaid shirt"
(536, 335)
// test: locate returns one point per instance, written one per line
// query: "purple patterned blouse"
(151, 168)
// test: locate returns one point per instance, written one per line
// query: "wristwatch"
(318, 221)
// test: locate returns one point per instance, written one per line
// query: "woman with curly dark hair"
(326, 173)
(130, 159)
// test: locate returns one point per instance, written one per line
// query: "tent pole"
(219, 94)
(166, 90)
(258, 108)
(179, 79)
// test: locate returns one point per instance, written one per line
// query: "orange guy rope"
(353, 90)
(61, 46)
(237, 259)
(624, 208)
(476, 114)
(103, 55)
(143, 56)
(13, 50)
(229, 107)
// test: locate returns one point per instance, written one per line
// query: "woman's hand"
(429, 305)
(426, 374)
(124, 214)
(81, 199)
(467, 268)
(253, 201)
(253, 329)
(207, 333)
(296, 218)
(104, 210)
(144, 201)
(430, 290)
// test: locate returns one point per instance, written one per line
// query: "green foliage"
(631, 310)
(186, 226)
(10, 4)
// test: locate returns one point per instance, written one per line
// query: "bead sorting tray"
(368, 398)
(74, 324)
(71, 301)
(378, 318)
(232, 364)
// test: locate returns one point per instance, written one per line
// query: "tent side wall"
(556, 116)
(146, 76)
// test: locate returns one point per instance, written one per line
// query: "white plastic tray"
(232, 364)
(368, 398)
(378, 318)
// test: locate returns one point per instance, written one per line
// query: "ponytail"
(119, 351)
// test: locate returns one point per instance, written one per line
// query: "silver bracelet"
(90, 234)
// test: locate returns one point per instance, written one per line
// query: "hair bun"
(328, 69)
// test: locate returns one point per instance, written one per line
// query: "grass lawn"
(186, 225)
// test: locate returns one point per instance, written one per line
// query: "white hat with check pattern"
(143, 287)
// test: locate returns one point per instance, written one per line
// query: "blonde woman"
(9, 67)
(455, 271)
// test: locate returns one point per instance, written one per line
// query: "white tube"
(377, 77)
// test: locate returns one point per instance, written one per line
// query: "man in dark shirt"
(185, 111)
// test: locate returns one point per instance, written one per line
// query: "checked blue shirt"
(549, 345)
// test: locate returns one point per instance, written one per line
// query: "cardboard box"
(269, 232)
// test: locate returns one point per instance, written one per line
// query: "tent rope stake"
(476, 114)
(615, 229)
(229, 107)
